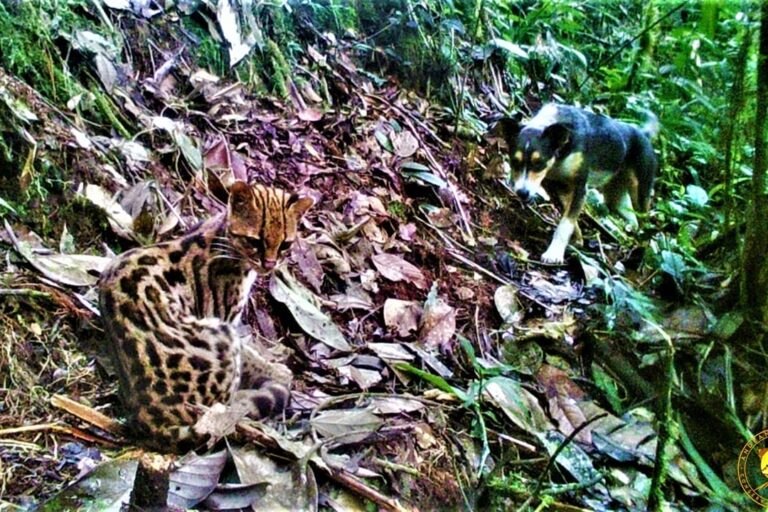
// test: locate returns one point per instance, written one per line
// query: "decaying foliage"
(436, 363)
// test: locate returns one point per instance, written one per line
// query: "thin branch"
(638, 36)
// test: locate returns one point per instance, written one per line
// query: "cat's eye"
(285, 245)
(254, 243)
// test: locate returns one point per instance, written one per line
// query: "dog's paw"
(553, 255)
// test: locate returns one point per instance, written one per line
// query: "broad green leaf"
(696, 195)
(105, 489)
(673, 264)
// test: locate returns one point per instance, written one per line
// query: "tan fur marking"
(519, 156)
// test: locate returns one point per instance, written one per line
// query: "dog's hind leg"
(620, 196)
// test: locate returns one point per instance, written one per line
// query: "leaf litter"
(387, 280)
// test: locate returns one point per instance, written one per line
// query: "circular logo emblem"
(753, 468)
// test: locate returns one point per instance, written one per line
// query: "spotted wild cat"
(173, 311)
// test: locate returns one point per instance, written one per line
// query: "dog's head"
(534, 150)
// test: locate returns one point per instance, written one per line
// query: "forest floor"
(454, 364)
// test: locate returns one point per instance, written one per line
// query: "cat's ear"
(298, 205)
(244, 217)
(239, 193)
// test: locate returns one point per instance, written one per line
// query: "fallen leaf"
(517, 403)
(292, 487)
(68, 269)
(404, 143)
(107, 488)
(391, 351)
(300, 302)
(310, 114)
(185, 143)
(196, 477)
(308, 264)
(119, 219)
(351, 425)
(402, 316)
(395, 405)
(507, 304)
(355, 297)
(234, 496)
(363, 377)
(395, 268)
(438, 322)
(218, 421)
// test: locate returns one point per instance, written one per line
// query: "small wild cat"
(172, 311)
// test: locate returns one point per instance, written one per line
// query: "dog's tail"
(651, 126)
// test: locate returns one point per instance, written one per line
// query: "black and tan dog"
(566, 149)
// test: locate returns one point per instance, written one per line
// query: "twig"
(438, 168)
(87, 414)
(358, 486)
(638, 36)
(664, 417)
(539, 482)
(474, 266)
(61, 429)
(25, 291)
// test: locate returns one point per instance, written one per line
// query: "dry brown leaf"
(195, 479)
(395, 268)
(292, 487)
(219, 421)
(438, 323)
(310, 114)
(402, 316)
(563, 397)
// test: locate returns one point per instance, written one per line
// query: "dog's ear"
(558, 135)
(507, 129)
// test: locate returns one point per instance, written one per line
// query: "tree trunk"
(754, 275)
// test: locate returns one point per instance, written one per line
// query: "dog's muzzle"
(525, 195)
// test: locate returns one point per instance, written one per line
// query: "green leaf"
(427, 177)
(414, 166)
(696, 195)
(384, 141)
(5, 204)
(673, 264)
(512, 48)
(437, 381)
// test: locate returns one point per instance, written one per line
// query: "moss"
(281, 70)
(210, 54)
(86, 222)
(110, 111)
(27, 47)
(397, 209)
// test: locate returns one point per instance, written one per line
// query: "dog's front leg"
(573, 201)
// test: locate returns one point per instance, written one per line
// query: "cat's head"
(262, 221)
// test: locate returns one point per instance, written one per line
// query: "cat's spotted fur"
(173, 315)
